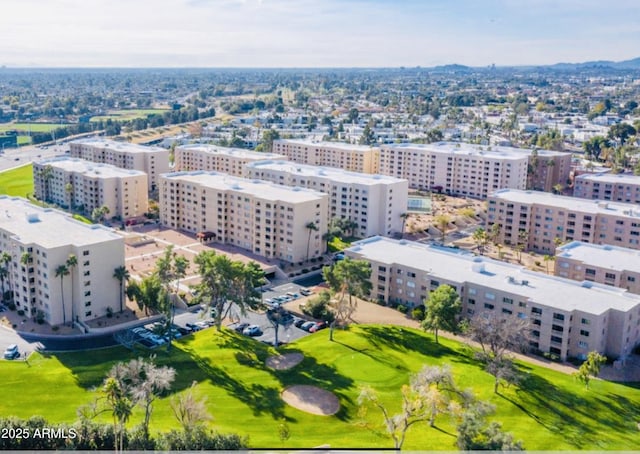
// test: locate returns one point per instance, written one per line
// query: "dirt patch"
(311, 399)
(284, 362)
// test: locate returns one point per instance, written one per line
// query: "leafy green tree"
(442, 223)
(443, 308)
(481, 238)
(147, 293)
(590, 368)
(621, 132)
(268, 136)
(476, 434)
(594, 146)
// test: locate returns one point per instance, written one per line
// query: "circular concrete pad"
(284, 362)
(311, 399)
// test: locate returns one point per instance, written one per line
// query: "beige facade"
(217, 159)
(608, 186)
(151, 160)
(609, 265)
(472, 170)
(546, 217)
(568, 318)
(354, 158)
(39, 240)
(267, 219)
(84, 185)
(374, 202)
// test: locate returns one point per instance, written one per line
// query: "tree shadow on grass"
(376, 355)
(403, 339)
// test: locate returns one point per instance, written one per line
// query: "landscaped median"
(550, 410)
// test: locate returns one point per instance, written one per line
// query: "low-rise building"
(608, 186)
(218, 159)
(354, 158)
(374, 203)
(568, 318)
(547, 219)
(39, 240)
(472, 170)
(267, 219)
(84, 185)
(604, 264)
(151, 160)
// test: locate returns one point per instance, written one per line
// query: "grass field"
(550, 411)
(17, 182)
(127, 114)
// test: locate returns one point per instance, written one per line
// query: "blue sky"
(315, 33)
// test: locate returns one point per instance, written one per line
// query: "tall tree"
(46, 174)
(443, 308)
(190, 411)
(311, 227)
(590, 368)
(476, 434)
(5, 260)
(480, 238)
(72, 263)
(442, 223)
(122, 274)
(62, 271)
(148, 293)
(121, 408)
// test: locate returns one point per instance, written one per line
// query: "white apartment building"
(473, 170)
(608, 186)
(39, 240)
(218, 159)
(374, 202)
(546, 216)
(604, 264)
(84, 185)
(151, 160)
(269, 220)
(568, 318)
(354, 158)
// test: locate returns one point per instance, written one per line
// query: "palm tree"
(122, 274)
(404, 217)
(312, 227)
(61, 272)
(548, 258)
(442, 223)
(68, 189)
(480, 238)
(72, 262)
(46, 173)
(5, 259)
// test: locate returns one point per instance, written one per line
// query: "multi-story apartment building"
(269, 220)
(472, 170)
(217, 159)
(608, 186)
(568, 318)
(354, 158)
(39, 240)
(84, 185)
(151, 160)
(374, 202)
(544, 217)
(604, 264)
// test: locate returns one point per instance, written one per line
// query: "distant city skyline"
(315, 33)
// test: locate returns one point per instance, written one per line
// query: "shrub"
(318, 307)
(12, 306)
(418, 313)
(20, 312)
(402, 308)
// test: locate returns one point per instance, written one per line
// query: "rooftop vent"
(32, 217)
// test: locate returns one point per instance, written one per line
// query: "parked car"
(194, 327)
(307, 325)
(305, 292)
(11, 352)
(317, 327)
(293, 295)
(240, 328)
(299, 322)
(252, 330)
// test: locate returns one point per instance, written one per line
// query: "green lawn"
(33, 127)
(551, 411)
(338, 244)
(127, 114)
(17, 182)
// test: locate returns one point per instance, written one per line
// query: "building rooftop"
(629, 210)
(258, 188)
(120, 146)
(462, 266)
(236, 152)
(48, 227)
(338, 145)
(89, 168)
(458, 148)
(330, 173)
(611, 257)
(620, 178)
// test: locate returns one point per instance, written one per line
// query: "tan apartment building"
(473, 170)
(604, 264)
(568, 318)
(548, 218)
(82, 185)
(269, 220)
(354, 158)
(218, 159)
(39, 240)
(151, 160)
(374, 202)
(608, 186)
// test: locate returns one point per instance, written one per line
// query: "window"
(556, 339)
(536, 310)
(583, 344)
(490, 296)
(507, 300)
(584, 333)
(85, 253)
(557, 316)
(488, 306)
(586, 321)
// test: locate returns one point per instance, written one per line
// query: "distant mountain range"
(599, 64)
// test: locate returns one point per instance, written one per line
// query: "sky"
(315, 33)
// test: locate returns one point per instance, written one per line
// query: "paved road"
(14, 157)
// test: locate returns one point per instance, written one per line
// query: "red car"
(317, 327)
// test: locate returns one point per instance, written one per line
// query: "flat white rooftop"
(48, 227)
(610, 257)
(629, 210)
(330, 173)
(236, 152)
(89, 168)
(325, 144)
(256, 188)
(120, 146)
(461, 266)
(612, 178)
(468, 149)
